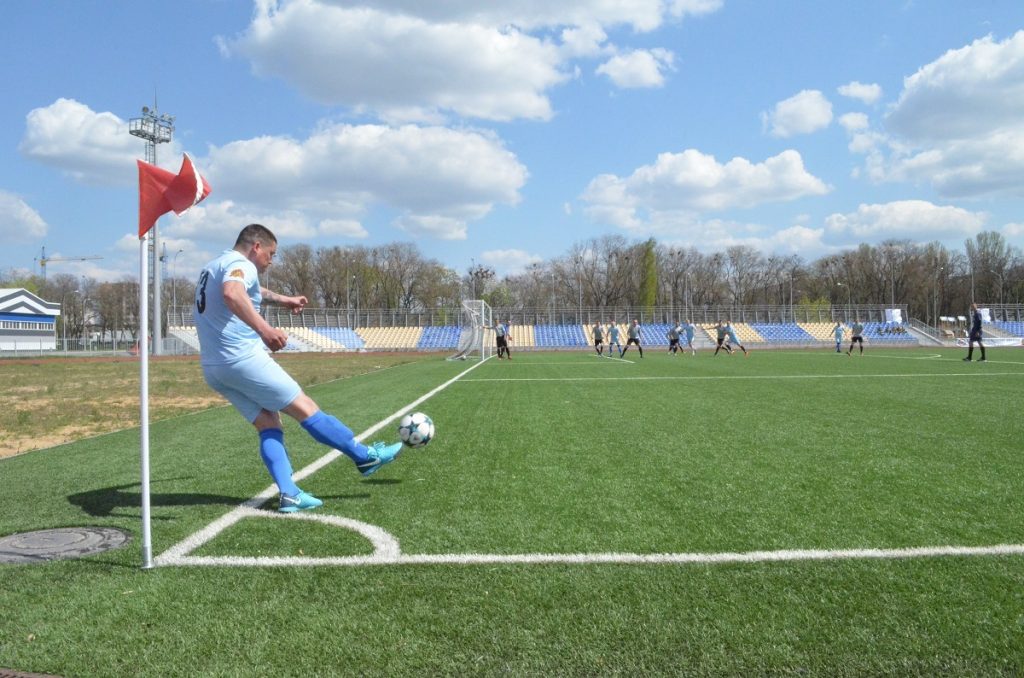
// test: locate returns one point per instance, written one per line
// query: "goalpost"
(477, 324)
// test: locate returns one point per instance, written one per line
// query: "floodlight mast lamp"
(154, 128)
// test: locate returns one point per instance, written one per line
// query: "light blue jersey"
(223, 337)
(613, 334)
(231, 353)
(689, 329)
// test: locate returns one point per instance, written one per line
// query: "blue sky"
(505, 133)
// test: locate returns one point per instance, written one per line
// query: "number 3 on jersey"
(201, 291)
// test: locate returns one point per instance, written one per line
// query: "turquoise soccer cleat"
(379, 454)
(302, 501)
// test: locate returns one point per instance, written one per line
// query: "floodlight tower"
(155, 128)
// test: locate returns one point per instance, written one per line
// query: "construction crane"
(44, 260)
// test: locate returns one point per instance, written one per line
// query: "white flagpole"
(147, 538)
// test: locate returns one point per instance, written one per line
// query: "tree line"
(603, 272)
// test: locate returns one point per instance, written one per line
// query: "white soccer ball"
(416, 429)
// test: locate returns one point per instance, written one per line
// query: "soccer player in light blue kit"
(232, 336)
(688, 330)
(732, 337)
(613, 338)
(838, 331)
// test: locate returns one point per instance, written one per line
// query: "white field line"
(598, 558)
(750, 377)
(386, 548)
(197, 539)
(606, 357)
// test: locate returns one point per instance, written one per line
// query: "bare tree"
(293, 273)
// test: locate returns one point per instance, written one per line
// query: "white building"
(27, 323)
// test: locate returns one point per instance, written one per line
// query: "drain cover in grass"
(59, 544)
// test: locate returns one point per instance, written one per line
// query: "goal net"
(477, 321)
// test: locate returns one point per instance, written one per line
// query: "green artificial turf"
(560, 453)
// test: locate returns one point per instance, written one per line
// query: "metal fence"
(440, 317)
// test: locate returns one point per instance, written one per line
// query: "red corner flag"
(161, 191)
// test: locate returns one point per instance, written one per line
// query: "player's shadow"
(105, 501)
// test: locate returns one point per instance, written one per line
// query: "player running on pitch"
(673, 337)
(688, 331)
(232, 336)
(598, 333)
(732, 337)
(720, 334)
(633, 337)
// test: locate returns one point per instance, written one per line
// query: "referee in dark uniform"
(975, 335)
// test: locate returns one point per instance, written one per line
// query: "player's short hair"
(255, 233)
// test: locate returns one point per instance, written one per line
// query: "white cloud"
(93, 148)
(510, 262)
(803, 113)
(1013, 230)
(717, 235)
(439, 179)
(853, 122)
(436, 226)
(19, 223)
(913, 219)
(640, 15)
(639, 68)
(687, 182)
(957, 123)
(584, 41)
(408, 61)
(868, 94)
(217, 223)
(680, 8)
(346, 228)
(370, 59)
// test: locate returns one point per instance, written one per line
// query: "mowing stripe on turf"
(204, 535)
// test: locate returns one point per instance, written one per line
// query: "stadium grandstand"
(440, 330)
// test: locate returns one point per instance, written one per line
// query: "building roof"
(20, 300)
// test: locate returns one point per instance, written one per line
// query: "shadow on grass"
(382, 481)
(104, 501)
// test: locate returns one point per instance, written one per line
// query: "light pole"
(849, 298)
(792, 319)
(174, 267)
(1000, 276)
(579, 281)
(686, 294)
(972, 280)
(85, 324)
(935, 296)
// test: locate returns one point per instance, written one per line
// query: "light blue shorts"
(253, 384)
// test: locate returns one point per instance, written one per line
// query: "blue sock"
(276, 459)
(328, 430)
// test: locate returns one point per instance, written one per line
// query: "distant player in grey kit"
(633, 337)
(857, 330)
(673, 338)
(598, 333)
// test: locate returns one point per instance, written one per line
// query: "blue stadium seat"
(782, 333)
